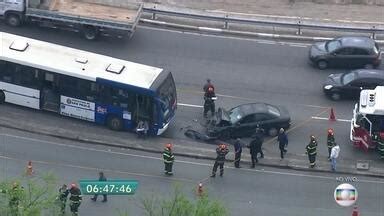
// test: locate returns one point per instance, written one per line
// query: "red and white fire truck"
(368, 118)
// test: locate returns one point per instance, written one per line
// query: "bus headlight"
(327, 87)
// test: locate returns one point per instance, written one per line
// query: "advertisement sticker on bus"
(77, 108)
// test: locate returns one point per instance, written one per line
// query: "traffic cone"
(29, 168)
(200, 189)
(355, 211)
(332, 116)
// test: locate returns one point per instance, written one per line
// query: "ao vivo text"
(346, 179)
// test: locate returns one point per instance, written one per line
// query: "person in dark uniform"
(168, 159)
(221, 152)
(330, 142)
(62, 198)
(282, 138)
(258, 136)
(101, 178)
(75, 199)
(209, 103)
(311, 150)
(238, 149)
(254, 148)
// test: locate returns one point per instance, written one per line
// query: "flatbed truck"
(88, 17)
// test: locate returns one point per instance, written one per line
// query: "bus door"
(144, 108)
(50, 97)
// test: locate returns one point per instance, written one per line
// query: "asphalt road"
(243, 71)
(244, 191)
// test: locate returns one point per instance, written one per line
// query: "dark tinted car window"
(372, 82)
(357, 51)
(260, 117)
(344, 51)
(359, 83)
(248, 119)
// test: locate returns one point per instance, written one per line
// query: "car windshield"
(348, 77)
(273, 110)
(332, 45)
(235, 115)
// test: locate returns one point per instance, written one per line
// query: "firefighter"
(62, 198)
(168, 159)
(208, 85)
(209, 103)
(380, 144)
(330, 142)
(311, 151)
(221, 152)
(75, 199)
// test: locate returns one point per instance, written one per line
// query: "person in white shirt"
(334, 155)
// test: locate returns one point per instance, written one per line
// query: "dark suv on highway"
(346, 52)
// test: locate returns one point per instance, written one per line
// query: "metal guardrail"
(298, 24)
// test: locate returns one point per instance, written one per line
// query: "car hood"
(334, 80)
(318, 49)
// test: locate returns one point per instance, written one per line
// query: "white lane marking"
(297, 45)
(215, 36)
(98, 169)
(179, 161)
(322, 118)
(189, 105)
(314, 106)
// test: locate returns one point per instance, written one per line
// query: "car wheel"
(115, 123)
(335, 96)
(2, 97)
(368, 66)
(13, 20)
(322, 64)
(90, 32)
(272, 132)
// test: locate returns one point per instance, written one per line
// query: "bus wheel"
(13, 20)
(2, 97)
(115, 123)
(90, 32)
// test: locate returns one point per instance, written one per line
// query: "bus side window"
(5, 73)
(104, 94)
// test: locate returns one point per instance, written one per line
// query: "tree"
(29, 196)
(180, 204)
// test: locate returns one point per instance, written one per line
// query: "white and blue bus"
(85, 85)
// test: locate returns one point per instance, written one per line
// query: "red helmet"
(330, 131)
(168, 145)
(73, 185)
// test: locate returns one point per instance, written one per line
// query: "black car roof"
(363, 42)
(369, 73)
(250, 108)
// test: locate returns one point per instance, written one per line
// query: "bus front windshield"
(167, 96)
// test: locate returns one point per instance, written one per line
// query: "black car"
(346, 52)
(349, 85)
(243, 120)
